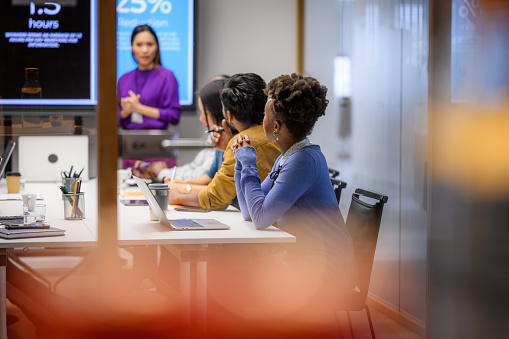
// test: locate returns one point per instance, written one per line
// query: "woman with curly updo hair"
(298, 197)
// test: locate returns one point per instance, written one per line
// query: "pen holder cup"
(74, 206)
(69, 183)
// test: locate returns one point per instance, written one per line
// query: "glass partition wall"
(60, 110)
(373, 56)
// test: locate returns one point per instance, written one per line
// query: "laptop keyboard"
(184, 223)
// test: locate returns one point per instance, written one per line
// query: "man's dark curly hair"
(243, 96)
(297, 101)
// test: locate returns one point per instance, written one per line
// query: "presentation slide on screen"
(57, 38)
(173, 22)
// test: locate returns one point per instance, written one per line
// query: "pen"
(145, 164)
(220, 129)
(173, 173)
(79, 174)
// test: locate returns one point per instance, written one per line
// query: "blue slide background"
(172, 22)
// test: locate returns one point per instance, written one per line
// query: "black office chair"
(363, 224)
(338, 186)
(333, 173)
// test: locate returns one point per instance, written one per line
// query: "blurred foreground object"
(468, 230)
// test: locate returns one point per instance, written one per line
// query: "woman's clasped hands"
(239, 142)
(129, 103)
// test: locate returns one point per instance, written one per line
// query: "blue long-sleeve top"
(216, 164)
(303, 203)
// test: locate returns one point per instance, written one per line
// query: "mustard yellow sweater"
(220, 192)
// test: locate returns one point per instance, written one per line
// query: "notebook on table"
(177, 224)
(29, 233)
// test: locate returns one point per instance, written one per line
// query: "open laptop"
(6, 156)
(3, 164)
(178, 224)
(42, 158)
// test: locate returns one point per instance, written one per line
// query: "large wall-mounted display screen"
(173, 23)
(58, 39)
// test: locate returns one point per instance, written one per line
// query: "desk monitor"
(6, 156)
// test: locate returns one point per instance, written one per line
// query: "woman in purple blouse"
(147, 96)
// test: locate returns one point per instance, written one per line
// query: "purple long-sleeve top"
(303, 203)
(158, 88)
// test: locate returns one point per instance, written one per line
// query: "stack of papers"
(30, 233)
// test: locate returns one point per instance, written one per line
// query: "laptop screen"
(6, 156)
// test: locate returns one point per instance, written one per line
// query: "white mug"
(29, 200)
(122, 176)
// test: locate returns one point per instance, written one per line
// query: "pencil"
(74, 197)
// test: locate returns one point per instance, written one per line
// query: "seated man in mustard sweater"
(243, 102)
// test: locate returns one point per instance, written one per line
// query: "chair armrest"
(333, 173)
(338, 182)
(371, 194)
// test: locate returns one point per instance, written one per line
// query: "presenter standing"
(147, 96)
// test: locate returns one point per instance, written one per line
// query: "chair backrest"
(333, 173)
(338, 185)
(363, 224)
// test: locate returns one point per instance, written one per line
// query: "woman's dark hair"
(243, 96)
(297, 101)
(147, 28)
(209, 95)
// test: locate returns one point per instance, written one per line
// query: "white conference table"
(190, 247)
(136, 229)
(77, 233)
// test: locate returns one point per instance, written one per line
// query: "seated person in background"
(206, 163)
(243, 103)
(298, 195)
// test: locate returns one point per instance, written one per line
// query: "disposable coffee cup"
(13, 180)
(160, 192)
